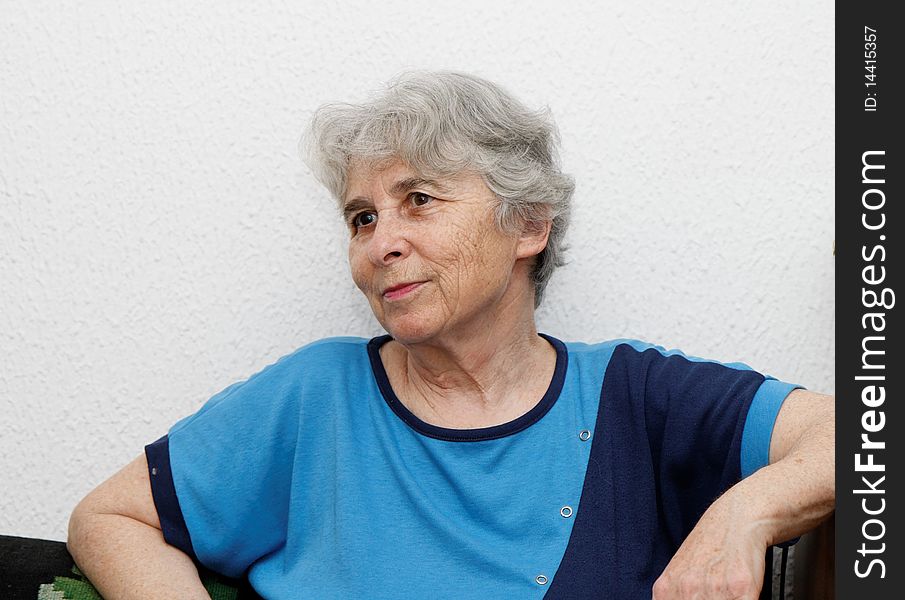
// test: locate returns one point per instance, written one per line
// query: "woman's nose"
(389, 241)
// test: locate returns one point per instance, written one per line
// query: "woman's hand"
(722, 558)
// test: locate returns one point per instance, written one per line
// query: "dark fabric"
(26, 564)
(172, 523)
(668, 444)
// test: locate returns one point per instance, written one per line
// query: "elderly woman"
(463, 454)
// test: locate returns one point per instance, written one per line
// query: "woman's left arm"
(723, 556)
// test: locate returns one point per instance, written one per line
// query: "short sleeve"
(704, 424)
(759, 421)
(221, 477)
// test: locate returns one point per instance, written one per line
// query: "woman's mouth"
(399, 291)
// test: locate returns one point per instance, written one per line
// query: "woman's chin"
(410, 329)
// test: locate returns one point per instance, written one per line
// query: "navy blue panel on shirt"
(668, 444)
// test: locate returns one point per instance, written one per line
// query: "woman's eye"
(420, 198)
(363, 219)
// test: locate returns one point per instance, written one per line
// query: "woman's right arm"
(116, 541)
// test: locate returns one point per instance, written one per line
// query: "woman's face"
(439, 238)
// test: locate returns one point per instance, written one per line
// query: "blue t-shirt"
(312, 478)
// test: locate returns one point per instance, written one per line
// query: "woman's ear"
(533, 238)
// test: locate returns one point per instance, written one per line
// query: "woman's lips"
(397, 293)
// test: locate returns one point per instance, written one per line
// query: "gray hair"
(444, 123)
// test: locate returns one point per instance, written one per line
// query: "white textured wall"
(159, 238)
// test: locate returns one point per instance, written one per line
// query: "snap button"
(566, 511)
(584, 435)
(153, 470)
(541, 580)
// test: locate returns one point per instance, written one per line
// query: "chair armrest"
(815, 563)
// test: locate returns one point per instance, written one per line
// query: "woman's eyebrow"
(410, 183)
(400, 187)
(354, 205)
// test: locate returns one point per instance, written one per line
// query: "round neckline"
(469, 435)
